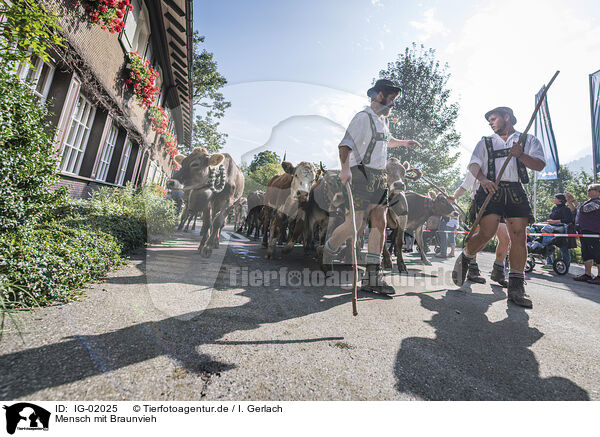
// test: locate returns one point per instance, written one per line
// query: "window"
(152, 171)
(107, 152)
(137, 28)
(78, 133)
(39, 76)
(124, 163)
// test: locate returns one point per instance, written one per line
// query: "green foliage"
(144, 206)
(426, 114)
(206, 134)
(29, 29)
(52, 262)
(27, 163)
(207, 82)
(263, 167)
(263, 158)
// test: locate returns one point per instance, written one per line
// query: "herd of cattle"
(303, 204)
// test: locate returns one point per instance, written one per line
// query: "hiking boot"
(498, 275)
(516, 292)
(582, 278)
(373, 281)
(461, 266)
(474, 275)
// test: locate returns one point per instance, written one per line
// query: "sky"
(298, 71)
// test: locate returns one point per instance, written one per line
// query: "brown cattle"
(420, 209)
(285, 195)
(214, 183)
(254, 220)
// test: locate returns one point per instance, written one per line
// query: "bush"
(146, 205)
(27, 163)
(54, 261)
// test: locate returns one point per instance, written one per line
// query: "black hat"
(502, 110)
(383, 85)
(561, 197)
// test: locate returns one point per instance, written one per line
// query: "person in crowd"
(452, 226)
(587, 221)
(443, 237)
(560, 218)
(363, 155)
(508, 199)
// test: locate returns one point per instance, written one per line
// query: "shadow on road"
(472, 358)
(180, 338)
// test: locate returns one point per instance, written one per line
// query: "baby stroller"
(539, 248)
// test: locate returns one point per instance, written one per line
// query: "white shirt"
(453, 223)
(533, 148)
(358, 137)
(470, 183)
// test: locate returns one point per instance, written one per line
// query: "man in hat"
(363, 156)
(509, 200)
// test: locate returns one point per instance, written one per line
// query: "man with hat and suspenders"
(509, 200)
(363, 155)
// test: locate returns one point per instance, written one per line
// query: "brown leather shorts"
(369, 188)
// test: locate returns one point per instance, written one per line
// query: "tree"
(206, 134)
(426, 114)
(27, 29)
(261, 170)
(207, 81)
(263, 158)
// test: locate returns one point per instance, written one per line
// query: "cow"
(420, 208)
(214, 183)
(190, 210)
(254, 219)
(325, 202)
(285, 198)
(238, 213)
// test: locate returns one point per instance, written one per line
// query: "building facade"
(104, 135)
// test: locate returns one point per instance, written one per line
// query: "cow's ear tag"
(179, 158)
(215, 159)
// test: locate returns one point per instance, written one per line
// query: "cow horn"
(215, 159)
(179, 158)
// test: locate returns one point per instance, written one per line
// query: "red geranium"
(108, 13)
(159, 119)
(143, 78)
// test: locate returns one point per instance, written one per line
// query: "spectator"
(451, 226)
(587, 221)
(560, 218)
(443, 237)
(177, 197)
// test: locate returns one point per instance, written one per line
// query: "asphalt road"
(174, 326)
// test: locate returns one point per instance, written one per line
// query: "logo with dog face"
(26, 416)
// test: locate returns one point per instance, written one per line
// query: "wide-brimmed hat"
(502, 110)
(384, 85)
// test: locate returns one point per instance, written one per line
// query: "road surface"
(172, 325)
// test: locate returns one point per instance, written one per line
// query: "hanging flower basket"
(143, 77)
(159, 119)
(108, 13)
(170, 143)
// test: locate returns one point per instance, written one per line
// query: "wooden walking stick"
(354, 259)
(522, 140)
